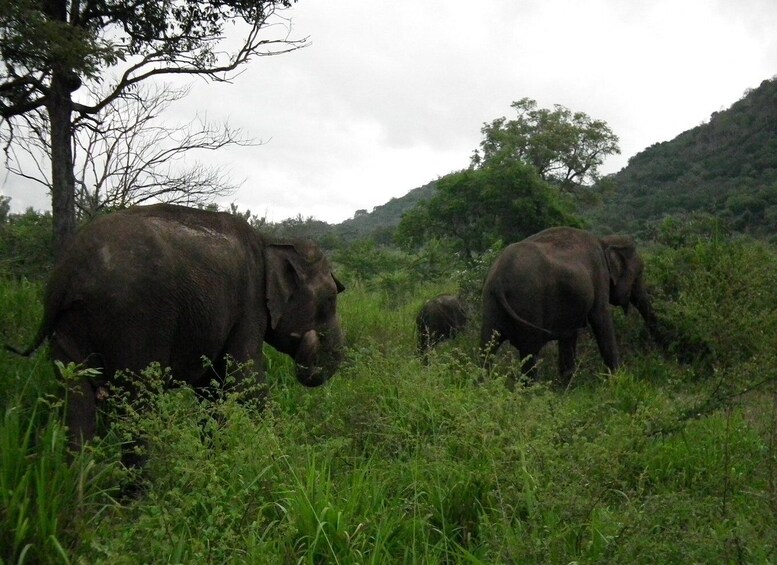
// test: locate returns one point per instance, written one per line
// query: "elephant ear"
(340, 286)
(283, 275)
(287, 267)
(620, 253)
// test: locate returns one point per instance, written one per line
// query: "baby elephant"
(439, 319)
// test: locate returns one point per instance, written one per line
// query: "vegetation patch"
(394, 461)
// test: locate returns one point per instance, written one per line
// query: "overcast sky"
(391, 94)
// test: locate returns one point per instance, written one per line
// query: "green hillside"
(384, 218)
(726, 167)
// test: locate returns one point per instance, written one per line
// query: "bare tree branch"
(157, 63)
(125, 155)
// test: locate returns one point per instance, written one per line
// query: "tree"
(125, 155)
(51, 47)
(474, 208)
(565, 148)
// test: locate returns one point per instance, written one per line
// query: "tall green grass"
(671, 459)
(49, 500)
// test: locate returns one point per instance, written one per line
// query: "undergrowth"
(671, 459)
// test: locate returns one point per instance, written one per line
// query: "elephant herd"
(546, 288)
(177, 285)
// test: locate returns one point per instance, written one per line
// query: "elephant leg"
(604, 332)
(80, 397)
(80, 412)
(530, 356)
(567, 356)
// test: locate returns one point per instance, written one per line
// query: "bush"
(26, 245)
(717, 299)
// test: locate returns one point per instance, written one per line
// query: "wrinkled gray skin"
(550, 285)
(439, 319)
(173, 284)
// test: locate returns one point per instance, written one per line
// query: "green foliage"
(565, 148)
(395, 462)
(472, 276)
(47, 502)
(726, 167)
(513, 189)
(33, 37)
(21, 314)
(26, 247)
(476, 207)
(718, 299)
(36, 34)
(686, 230)
(394, 273)
(300, 228)
(364, 260)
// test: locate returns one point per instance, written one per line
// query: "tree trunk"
(60, 107)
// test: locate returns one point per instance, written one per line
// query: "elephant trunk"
(641, 301)
(318, 356)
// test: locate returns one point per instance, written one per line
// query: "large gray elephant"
(550, 285)
(173, 284)
(440, 318)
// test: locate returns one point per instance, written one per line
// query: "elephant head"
(626, 283)
(301, 301)
(625, 267)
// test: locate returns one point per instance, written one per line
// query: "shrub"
(26, 245)
(717, 299)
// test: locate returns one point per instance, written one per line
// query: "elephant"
(176, 285)
(555, 282)
(440, 318)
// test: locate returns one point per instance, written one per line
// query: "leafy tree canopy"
(503, 200)
(50, 48)
(43, 37)
(566, 148)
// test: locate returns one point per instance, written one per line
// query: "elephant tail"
(45, 329)
(39, 339)
(43, 334)
(524, 322)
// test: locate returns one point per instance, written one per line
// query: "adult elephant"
(550, 285)
(175, 285)
(440, 318)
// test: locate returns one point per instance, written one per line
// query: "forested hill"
(385, 218)
(726, 167)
